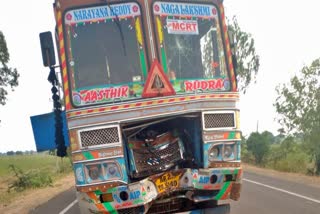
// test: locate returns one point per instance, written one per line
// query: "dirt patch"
(295, 177)
(33, 198)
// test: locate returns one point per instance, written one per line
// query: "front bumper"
(195, 185)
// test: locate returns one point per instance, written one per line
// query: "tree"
(248, 62)
(19, 153)
(8, 76)
(298, 106)
(10, 153)
(259, 146)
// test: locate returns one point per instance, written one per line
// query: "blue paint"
(122, 188)
(117, 198)
(79, 174)
(43, 127)
(239, 150)
(204, 180)
(135, 195)
(185, 9)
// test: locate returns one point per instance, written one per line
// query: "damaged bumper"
(187, 185)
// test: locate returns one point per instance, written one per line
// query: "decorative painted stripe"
(164, 60)
(98, 192)
(108, 206)
(232, 135)
(227, 192)
(88, 155)
(236, 171)
(100, 207)
(154, 102)
(93, 197)
(229, 54)
(97, 154)
(143, 63)
(95, 201)
(63, 62)
(226, 171)
(138, 31)
(223, 190)
(160, 31)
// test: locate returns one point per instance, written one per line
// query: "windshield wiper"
(117, 21)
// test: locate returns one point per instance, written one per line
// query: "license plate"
(167, 181)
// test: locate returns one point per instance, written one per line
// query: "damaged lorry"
(151, 104)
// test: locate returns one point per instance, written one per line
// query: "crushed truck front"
(151, 104)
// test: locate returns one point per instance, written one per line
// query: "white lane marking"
(282, 190)
(68, 207)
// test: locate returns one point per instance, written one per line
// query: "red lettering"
(182, 26)
(93, 96)
(211, 84)
(204, 85)
(219, 84)
(175, 25)
(188, 27)
(87, 97)
(100, 95)
(124, 91)
(194, 26)
(188, 86)
(113, 93)
(196, 85)
(118, 92)
(107, 93)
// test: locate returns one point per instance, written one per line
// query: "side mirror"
(47, 49)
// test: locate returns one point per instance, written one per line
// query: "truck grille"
(218, 120)
(101, 136)
(157, 157)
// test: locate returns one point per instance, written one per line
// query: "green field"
(42, 165)
(44, 162)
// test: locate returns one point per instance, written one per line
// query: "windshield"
(191, 46)
(106, 57)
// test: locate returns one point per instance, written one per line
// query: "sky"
(286, 34)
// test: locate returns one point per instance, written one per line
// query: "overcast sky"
(286, 33)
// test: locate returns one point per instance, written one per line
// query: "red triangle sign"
(157, 83)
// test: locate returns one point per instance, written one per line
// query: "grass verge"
(22, 172)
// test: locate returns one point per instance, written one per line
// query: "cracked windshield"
(191, 46)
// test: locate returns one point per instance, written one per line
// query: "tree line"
(288, 153)
(11, 153)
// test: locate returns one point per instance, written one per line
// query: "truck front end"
(151, 103)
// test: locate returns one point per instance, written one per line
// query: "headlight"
(94, 172)
(213, 153)
(112, 170)
(222, 151)
(227, 151)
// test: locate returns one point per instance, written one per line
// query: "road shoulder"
(35, 197)
(293, 177)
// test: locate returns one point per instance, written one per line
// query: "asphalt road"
(260, 195)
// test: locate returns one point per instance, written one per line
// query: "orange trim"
(94, 198)
(229, 54)
(63, 62)
(153, 102)
(225, 165)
